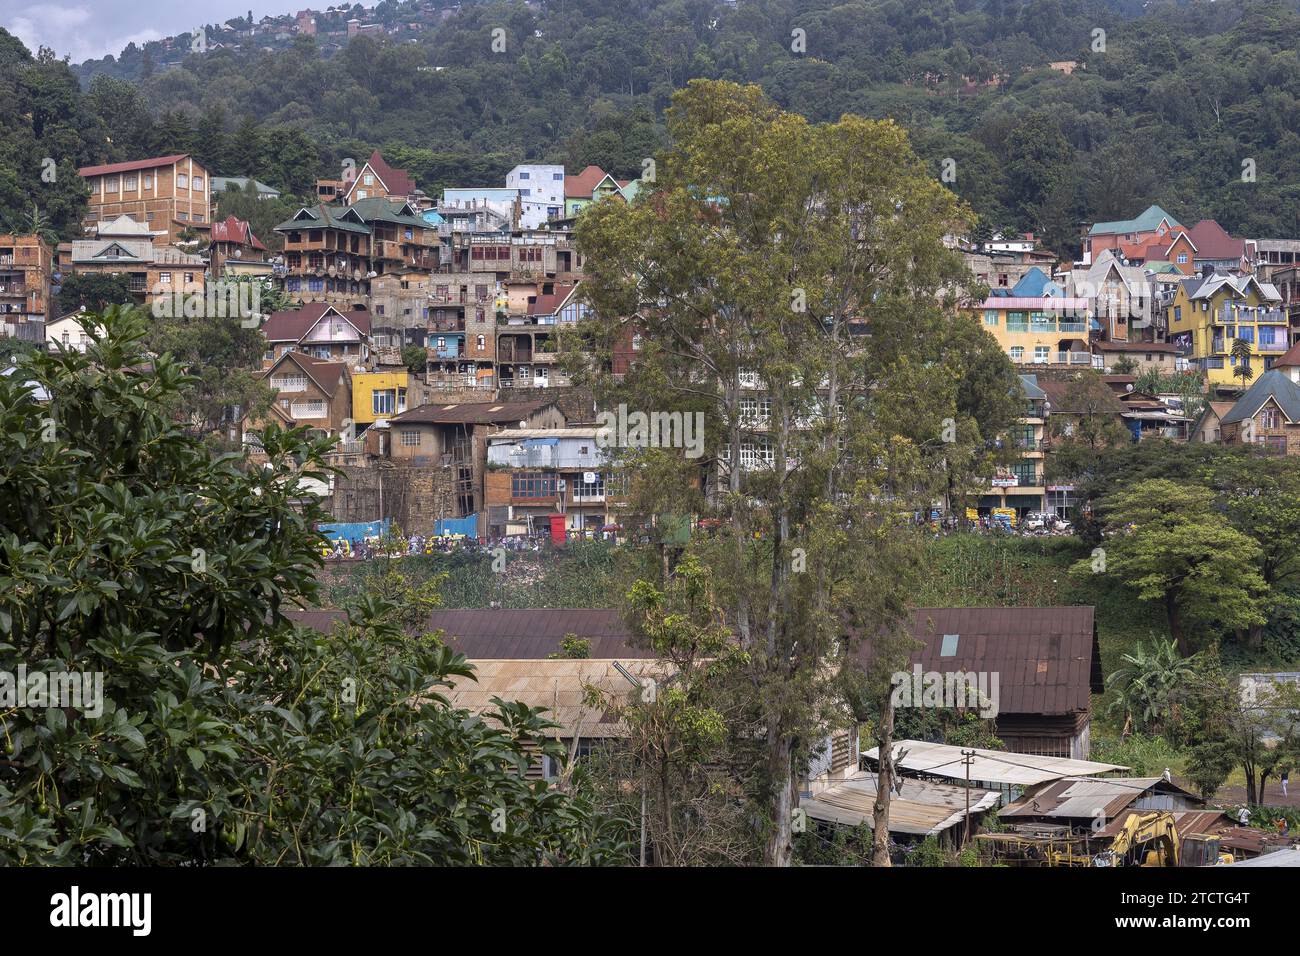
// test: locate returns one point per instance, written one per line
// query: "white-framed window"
(148, 180)
(312, 408)
(110, 184)
(361, 194)
(369, 179)
(1182, 258)
(198, 183)
(165, 278)
(990, 317)
(182, 181)
(382, 401)
(1017, 353)
(410, 437)
(129, 182)
(1042, 353)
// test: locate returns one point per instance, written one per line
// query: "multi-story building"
(1039, 329)
(235, 251)
(534, 473)
(455, 436)
(527, 344)
(541, 192)
(1131, 238)
(1207, 315)
(125, 246)
(308, 391)
(462, 330)
(319, 330)
(378, 180)
(331, 252)
(1267, 415)
(26, 267)
(1020, 486)
(168, 193)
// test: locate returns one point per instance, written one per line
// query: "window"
(182, 181)
(148, 181)
(990, 317)
(129, 182)
(183, 215)
(482, 343)
(1182, 258)
(525, 192)
(949, 646)
(523, 175)
(1041, 353)
(1025, 472)
(361, 194)
(189, 277)
(527, 484)
(410, 437)
(382, 401)
(369, 180)
(110, 184)
(1017, 353)
(1268, 418)
(557, 177)
(165, 278)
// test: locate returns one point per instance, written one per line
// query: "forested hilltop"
(1192, 105)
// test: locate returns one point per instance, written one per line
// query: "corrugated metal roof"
(922, 808)
(1046, 658)
(989, 766)
(561, 687)
(471, 413)
(1085, 798)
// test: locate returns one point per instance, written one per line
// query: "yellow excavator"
(1145, 838)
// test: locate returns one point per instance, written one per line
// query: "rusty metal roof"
(471, 413)
(989, 766)
(922, 808)
(560, 687)
(519, 634)
(1046, 658)
(1086, 798)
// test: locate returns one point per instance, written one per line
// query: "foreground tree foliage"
(789, 283)
(226, 735)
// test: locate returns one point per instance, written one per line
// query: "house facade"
(319, 330)
(1268, 416)
(1206, 315)
(168, 193)
(534, 473)
(26, 268)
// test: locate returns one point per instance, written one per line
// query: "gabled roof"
(1272, 384)
(1208, 286)
(581, 185)
(396, 181)
(131, 166)
(1035, 282)
(221, 183)
(387, 210)
(1079, 798)
(1063, 397)
(1149, 219)
(325, 374)
(125, 225)
(235, 230)
(550, 304)
(292, 325)
(471, 413)
(322, 217)
(1217, 409)
(1290, 358)
(1213, 242)
(1029, 385)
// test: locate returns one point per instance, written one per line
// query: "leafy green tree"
(94, 290)
(416, 359)
(1241, 355)
(1168, 543)
(221, 734)
(753, 286)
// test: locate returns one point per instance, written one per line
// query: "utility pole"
(967, 757)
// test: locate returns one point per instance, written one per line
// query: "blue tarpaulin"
(467, 526)
(354, 531)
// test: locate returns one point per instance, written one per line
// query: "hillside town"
(774, 506)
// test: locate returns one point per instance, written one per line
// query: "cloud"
(73, 30)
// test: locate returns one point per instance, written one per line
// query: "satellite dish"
(1128, 387)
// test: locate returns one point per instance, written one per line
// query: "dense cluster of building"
(424, 332)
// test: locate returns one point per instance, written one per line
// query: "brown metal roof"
(1084, 798)
(1046, 658)
(514, 634)
(921, 808)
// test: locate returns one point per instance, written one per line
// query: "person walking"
(1286, 776)
(1243, 816)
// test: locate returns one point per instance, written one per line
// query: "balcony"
(1056, 358)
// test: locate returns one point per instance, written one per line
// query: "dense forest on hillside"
(1167, 103)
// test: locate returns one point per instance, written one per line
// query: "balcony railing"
(1055, 358)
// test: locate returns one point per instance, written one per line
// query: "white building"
(541, 191)
(67, 332)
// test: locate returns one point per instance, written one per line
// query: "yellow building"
(1039, 330)
(1207, 315)
(378, 396)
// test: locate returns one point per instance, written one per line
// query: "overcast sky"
(88, 29)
